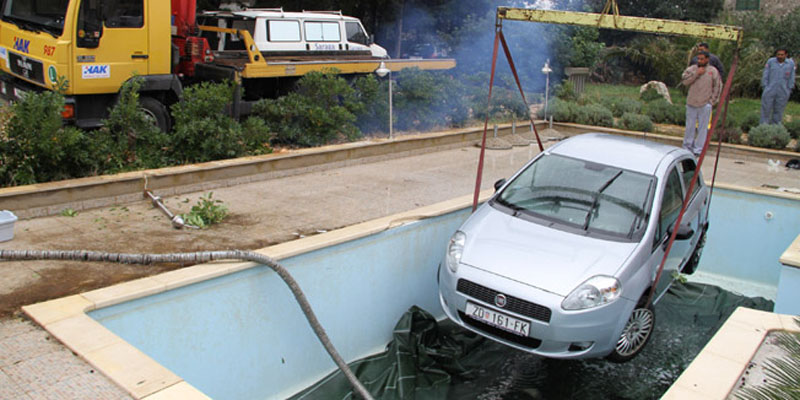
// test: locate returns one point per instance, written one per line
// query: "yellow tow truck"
(88, 49)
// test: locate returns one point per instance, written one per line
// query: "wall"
(772, 7)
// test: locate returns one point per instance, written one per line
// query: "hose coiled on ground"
(197, 258)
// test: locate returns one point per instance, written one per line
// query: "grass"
(738, 108)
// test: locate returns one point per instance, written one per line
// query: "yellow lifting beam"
(621, 22)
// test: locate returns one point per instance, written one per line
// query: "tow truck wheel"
(156, 112)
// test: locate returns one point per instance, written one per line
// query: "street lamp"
(381, 72)
(546, 70)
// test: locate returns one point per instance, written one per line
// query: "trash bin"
(7, 220)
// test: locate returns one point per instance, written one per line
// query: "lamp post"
(546, 70)
(381, 72)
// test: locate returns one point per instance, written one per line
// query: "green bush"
(321, 110)
(651, 94)
(427, 99)
(622, 105)
(768, 136)
(750, 121)
(566, 91)
(562, 111)
(206, 212)
(730, 133)
(636, 122)
(203, 129)
(662, 112)
(37, 147)
(256, 136)
(594, 114)
(133, 141)
(794, 128)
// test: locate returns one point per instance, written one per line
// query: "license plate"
(499, 320)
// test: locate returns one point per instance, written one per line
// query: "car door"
(674, 190)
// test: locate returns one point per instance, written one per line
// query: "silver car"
(560, 261)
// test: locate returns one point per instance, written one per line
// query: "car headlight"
(454, 250)
(596, 291)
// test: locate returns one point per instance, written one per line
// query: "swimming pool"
(241, 334)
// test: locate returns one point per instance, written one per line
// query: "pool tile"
(133, 370)
(681, 393)
(182, 390)
(790, 322)
(55, 310)
(82, 334)
(736, 342)
(710, 375)
(762, 320)
(124, 291)
(198, 273)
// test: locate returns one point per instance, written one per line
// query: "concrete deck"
(33, 365)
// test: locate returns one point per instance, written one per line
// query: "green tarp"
(430, 360)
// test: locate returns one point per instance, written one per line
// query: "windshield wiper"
(597, 198)
(22, 23)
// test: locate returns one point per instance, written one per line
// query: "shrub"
(662, 112)
(562, 111)
(730, 133)
(37, 147)
(636, 122)
(566, 91)
(794, 128)
(203, 129)
(133, 141)
(750, 121)
(622, 105)
(768, 136)
(425, 99)
(256, 136)
(594, 114)
(319, 111)
(651, 94)
(206, 212)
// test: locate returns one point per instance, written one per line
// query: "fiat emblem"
(500, 300)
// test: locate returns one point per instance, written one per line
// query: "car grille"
(513, 304)
(526, 341)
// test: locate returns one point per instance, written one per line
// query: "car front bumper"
(567, 334)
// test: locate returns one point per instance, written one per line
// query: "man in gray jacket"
(777, 81)
(705, 86)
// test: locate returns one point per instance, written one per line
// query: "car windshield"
(580, 194)
(37, 15)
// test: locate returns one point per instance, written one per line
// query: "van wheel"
(156, 112)
(694, 260)
(636, 333)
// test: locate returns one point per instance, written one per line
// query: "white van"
(280, 33)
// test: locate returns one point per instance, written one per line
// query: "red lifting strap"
(497, 39)
(725, 93)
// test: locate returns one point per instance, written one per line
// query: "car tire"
(156, 112)
(635, 334)
(694, 260)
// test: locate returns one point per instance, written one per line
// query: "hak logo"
(96, 71)
(22, 45)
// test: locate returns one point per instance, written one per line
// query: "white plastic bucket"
(7, 220)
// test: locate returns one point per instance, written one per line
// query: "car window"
(580, 194)
(283, 31)
(355, 33)
(322, 32)
(670, 205)
(124, 13)
(687, 168)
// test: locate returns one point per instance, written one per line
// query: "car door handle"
(139, 56)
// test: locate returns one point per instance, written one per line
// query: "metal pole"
(391, 122)
(546, 94)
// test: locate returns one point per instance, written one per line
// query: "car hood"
(549, 259)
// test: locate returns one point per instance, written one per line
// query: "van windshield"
(37, 15)
(582, 195)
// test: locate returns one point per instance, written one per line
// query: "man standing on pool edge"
(705, 86)
(777, 81)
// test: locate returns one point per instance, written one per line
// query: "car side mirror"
(371, 39)
(499, 184)
(684, 232)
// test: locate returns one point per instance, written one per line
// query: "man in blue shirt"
(777, 81)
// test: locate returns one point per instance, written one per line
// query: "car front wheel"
(694, 260)
(635, 335)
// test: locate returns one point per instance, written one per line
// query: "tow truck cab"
(86, 49)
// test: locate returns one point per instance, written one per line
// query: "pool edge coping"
(714, 373)
(135, 372)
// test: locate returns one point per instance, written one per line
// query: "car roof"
(633, 154)
(308, 15)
